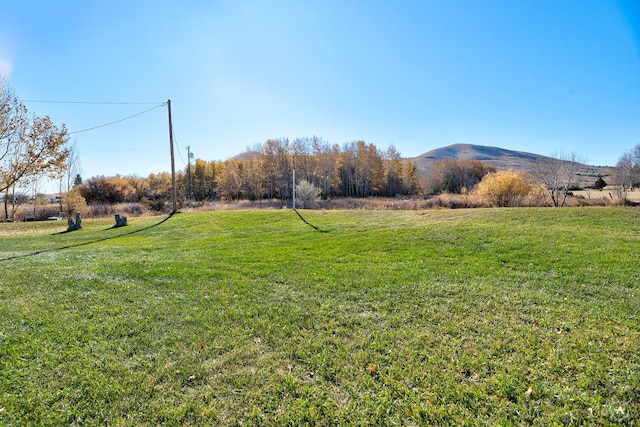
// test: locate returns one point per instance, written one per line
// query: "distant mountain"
(246, 155)
(499, 158)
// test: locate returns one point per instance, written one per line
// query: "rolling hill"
(500, 158)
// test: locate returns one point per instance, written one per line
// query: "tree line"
(33, 148)
(355, 169)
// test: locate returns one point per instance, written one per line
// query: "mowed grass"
(465, 317)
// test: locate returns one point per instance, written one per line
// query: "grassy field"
(452, 317)
(609, 194)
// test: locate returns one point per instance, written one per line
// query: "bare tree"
(626, 173)
(627, 170)
(69, 172)
(557, 174)
(623, 176)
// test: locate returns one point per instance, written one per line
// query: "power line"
(119, 150)
(92, 102)
(118, 121)
(175, 145)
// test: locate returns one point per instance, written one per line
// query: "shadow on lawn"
(87, 243)
(307, 222)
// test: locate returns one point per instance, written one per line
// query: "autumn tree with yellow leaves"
(356, 169)
(31, 147)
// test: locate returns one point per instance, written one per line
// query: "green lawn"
(478, 317)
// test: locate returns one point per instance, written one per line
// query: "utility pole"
(293, 189)
(173, 164)
(189, 154)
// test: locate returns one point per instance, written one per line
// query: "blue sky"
(542, 76)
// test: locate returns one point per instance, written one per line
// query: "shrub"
(457, 176)
(154, 204)
(306, 194)
(504, 188)
(74, 202)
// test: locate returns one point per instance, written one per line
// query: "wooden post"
(173, 165)
(189, 172)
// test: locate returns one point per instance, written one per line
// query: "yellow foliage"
(74, 202)
(504, 188)
(30, 146)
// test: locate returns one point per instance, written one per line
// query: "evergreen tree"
(599, 184)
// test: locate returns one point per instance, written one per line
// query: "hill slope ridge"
(500, 158)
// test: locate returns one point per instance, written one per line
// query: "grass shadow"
(77, 245)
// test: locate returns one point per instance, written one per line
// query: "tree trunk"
(6, 204)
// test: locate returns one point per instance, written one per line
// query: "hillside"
(500, 158)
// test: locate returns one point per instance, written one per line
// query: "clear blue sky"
(541, 76)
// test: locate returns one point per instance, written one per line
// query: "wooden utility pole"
(189, 154)
(173, 164)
